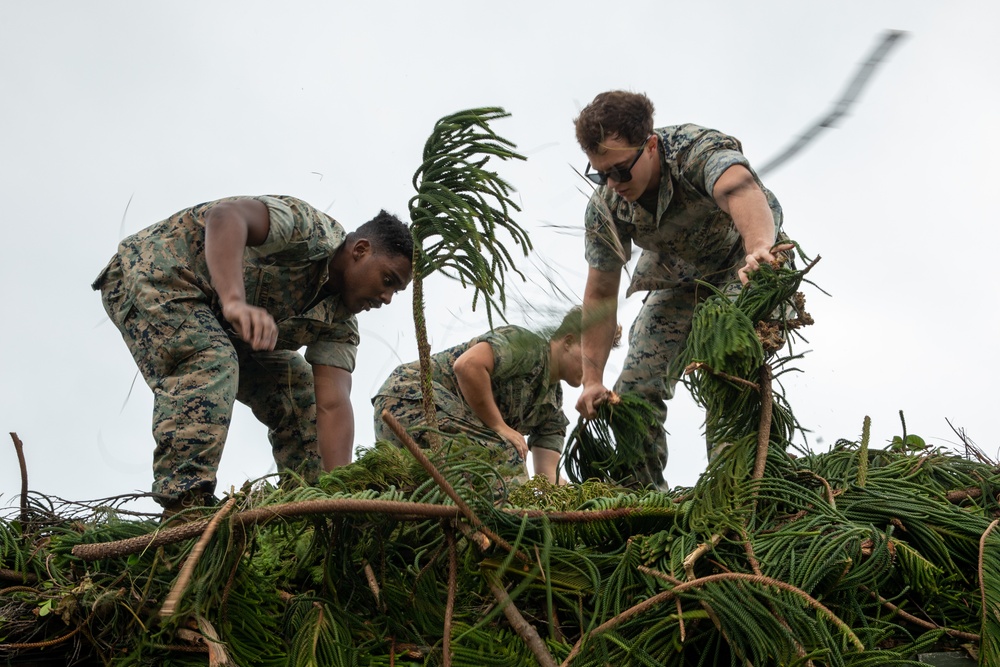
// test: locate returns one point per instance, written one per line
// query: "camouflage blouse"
(688, 237)
(164, 269)
(528, 402)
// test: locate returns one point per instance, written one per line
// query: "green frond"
(461, 206)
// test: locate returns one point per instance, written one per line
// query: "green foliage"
(610, 448)
(461, 205)
(989, 651)
(299, 590)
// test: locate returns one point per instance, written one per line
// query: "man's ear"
(361, 248)
(568, 340)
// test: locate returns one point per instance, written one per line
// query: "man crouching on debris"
(687, 196)
(214, 303)
(495, 389)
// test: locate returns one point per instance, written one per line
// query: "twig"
(649, 603)
(982, 550)
(180, 584)
(831, 497)
(963, 494)
(889, 39)
(19, 448)
(45, 644)
(702, 549)
(372, 581)
(755, 564)
(418, 454)
(474, 536)
(18, 589)
(764, 428)
(14, 575)
(586, 516)
(748, 548)
(523, 629)
(217, 655)
(958, 634)
(702, 366)
(449, 609)
(396, 508)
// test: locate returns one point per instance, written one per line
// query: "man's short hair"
(616, 113)
(387, 233)
(572, 323)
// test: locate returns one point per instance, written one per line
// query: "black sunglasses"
(620, 174)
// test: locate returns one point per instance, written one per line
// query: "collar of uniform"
(328, 307)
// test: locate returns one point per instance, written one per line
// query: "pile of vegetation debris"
(852, 557)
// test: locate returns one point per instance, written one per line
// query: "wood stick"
(921, 622)
(19, 449)
(649, 603)
(764, 427)
(982, 550)
(418, 454)
(403, 510)
(524, 630)
(449, 608)
(180, 584)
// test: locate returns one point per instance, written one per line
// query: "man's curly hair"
(387, 233)
(616, 113)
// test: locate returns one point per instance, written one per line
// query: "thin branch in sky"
(129, 394)
(889, 39)
(121, 228)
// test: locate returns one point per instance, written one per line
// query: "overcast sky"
(153, 107)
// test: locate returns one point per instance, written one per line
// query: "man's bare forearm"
(335, 435)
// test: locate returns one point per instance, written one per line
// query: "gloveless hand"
(253, 325)
(758, 257)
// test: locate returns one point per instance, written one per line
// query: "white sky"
(172, 104)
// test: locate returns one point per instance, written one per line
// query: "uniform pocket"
(149, 343)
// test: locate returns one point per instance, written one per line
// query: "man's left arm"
(737, 193)
(334, 415)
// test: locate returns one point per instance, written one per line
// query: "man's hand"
(758, 257)
(252, 324)
(592, 396)
(515, 438)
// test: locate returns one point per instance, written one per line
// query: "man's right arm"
(230, 227)
(600, 324)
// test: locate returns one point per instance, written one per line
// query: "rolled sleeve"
(517, 353)
(718, 163)
(337, 347)
(607, 249)
(285, 226)
(711, 155)
(551, 434)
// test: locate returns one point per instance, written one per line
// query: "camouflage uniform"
(158, 292)
(688, 238)
(528, 402)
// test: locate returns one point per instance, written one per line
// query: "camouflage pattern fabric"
(527, 400)
(158, 293)
(688, 238)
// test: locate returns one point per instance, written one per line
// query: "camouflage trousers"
(410, 414)
(656, 338)
(196, 371)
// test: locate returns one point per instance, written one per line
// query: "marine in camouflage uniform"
(527, 399)
(159, 293)
(669, 206)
